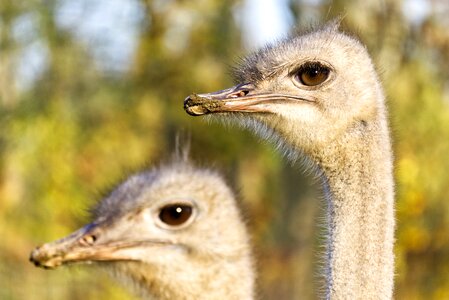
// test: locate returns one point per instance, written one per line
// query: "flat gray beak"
(74, 247)
(240, 98)
(220, 101)
(93, 242)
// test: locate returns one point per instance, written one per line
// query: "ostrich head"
(318, 95)
(174, 233)
(310, 89)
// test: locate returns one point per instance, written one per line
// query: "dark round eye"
(312, 73)
(175, 214)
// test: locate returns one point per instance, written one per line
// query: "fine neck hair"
(230, 278)
(355, 169)
(358, 185)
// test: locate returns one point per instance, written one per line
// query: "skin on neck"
(356, 173)
(359, 193)
(216, 281)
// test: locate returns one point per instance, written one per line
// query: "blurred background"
(92, 90)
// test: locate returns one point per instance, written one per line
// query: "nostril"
(88, 240)
(238, 94)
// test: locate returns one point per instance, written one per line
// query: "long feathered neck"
(356, 171)
(358, 184)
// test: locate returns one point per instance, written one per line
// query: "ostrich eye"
(175, 214)
(312, 74)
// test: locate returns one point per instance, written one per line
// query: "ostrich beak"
(239, 98)
(88, 244)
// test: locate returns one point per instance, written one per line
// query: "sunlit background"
(91, 90)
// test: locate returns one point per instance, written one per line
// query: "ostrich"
(317, 95)
(172, 233)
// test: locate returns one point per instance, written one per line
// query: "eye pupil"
(175, 214)
(312, 74)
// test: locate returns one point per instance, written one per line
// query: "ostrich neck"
(231, 278)
(358, 184)
(356, 171)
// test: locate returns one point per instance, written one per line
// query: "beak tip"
(34, 254)
(41, 259)
(193, 108)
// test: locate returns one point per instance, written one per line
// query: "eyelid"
(309, 63)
